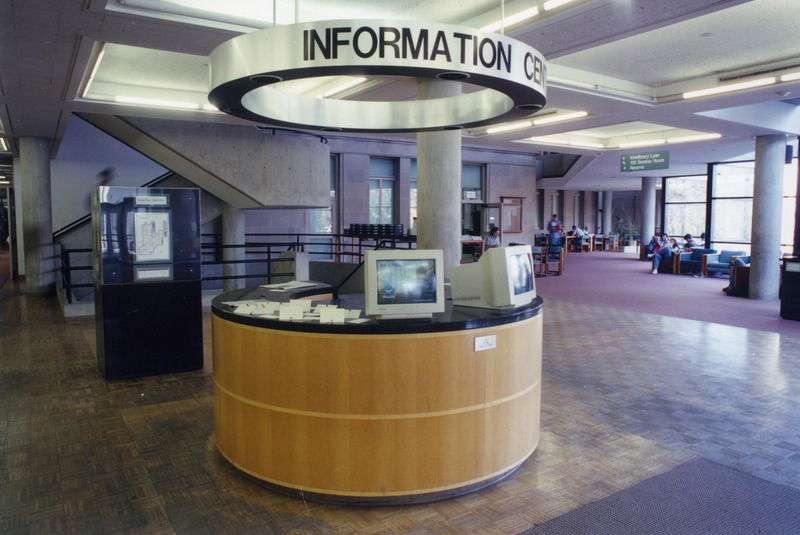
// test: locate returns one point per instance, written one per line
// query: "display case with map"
(147, 271)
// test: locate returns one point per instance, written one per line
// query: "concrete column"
(765, 249)
(233, 234)
(439, 181)
(18, 245)
(37, 216)
(608, 207)
(648, 225)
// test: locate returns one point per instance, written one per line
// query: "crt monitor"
(501, 278)
(403, 283)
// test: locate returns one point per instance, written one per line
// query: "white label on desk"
(483, 343)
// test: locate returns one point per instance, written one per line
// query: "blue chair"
(691, 262)
(555, 255)
(538, 257)
(720, 262)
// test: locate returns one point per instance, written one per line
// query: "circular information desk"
(377, 413)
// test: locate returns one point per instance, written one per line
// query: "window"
(472, 200)
(732, 206)
(685, 205)
(472, 182)
(381, 190)
(322, 219)
(413, 195)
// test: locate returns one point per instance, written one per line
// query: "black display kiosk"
(146, 260)
(790, 289)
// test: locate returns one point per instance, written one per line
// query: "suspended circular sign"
(245, 70)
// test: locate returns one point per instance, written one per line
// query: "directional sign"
(646, 161)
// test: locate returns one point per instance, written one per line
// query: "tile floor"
(627, 397)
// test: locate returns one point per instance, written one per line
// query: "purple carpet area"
(621, 280)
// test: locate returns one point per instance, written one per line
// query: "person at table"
(554, 227)
(666, 249)
(578, 233)
(492, 239)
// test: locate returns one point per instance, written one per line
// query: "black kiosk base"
(148, 329)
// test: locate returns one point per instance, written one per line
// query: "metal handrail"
(337, 251)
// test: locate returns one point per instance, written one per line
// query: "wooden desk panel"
(376, 418)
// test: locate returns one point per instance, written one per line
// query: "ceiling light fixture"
(699, 137)
(513, 19)
(344, 87)
(559, 118)
(3, 144)
(159, 103)
(5, 183)
(730, 87)
(507, 127)
(790, 77)
(94, 71)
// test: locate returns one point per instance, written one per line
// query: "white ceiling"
(625, 62)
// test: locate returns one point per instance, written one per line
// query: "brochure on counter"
(296, 310)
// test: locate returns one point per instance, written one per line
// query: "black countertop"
(454, 318)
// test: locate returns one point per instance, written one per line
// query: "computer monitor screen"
(501, 278)
(403, 283)
(521, 272)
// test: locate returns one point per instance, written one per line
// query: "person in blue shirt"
(554, 227)
(492, 239)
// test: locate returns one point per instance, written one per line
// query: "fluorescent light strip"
(559, 118)
(548, 140)
(159, 103)
(3, 144)
(552, 4)
(5, 183)
(642, 143)
(344, 87)
(790, 77)
(507, 127)
(699, 137)
(94, 71)
(513, 19)
(587, 144)
(730, 87)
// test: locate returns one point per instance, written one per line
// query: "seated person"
(492, 239)
(701, 242)
(690, 244)
(664, 252)
(652, 247)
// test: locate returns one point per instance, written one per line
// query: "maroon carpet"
(620, 280)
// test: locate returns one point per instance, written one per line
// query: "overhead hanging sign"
(245, 72)
(645, 161)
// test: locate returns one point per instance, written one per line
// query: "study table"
(376, 412)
